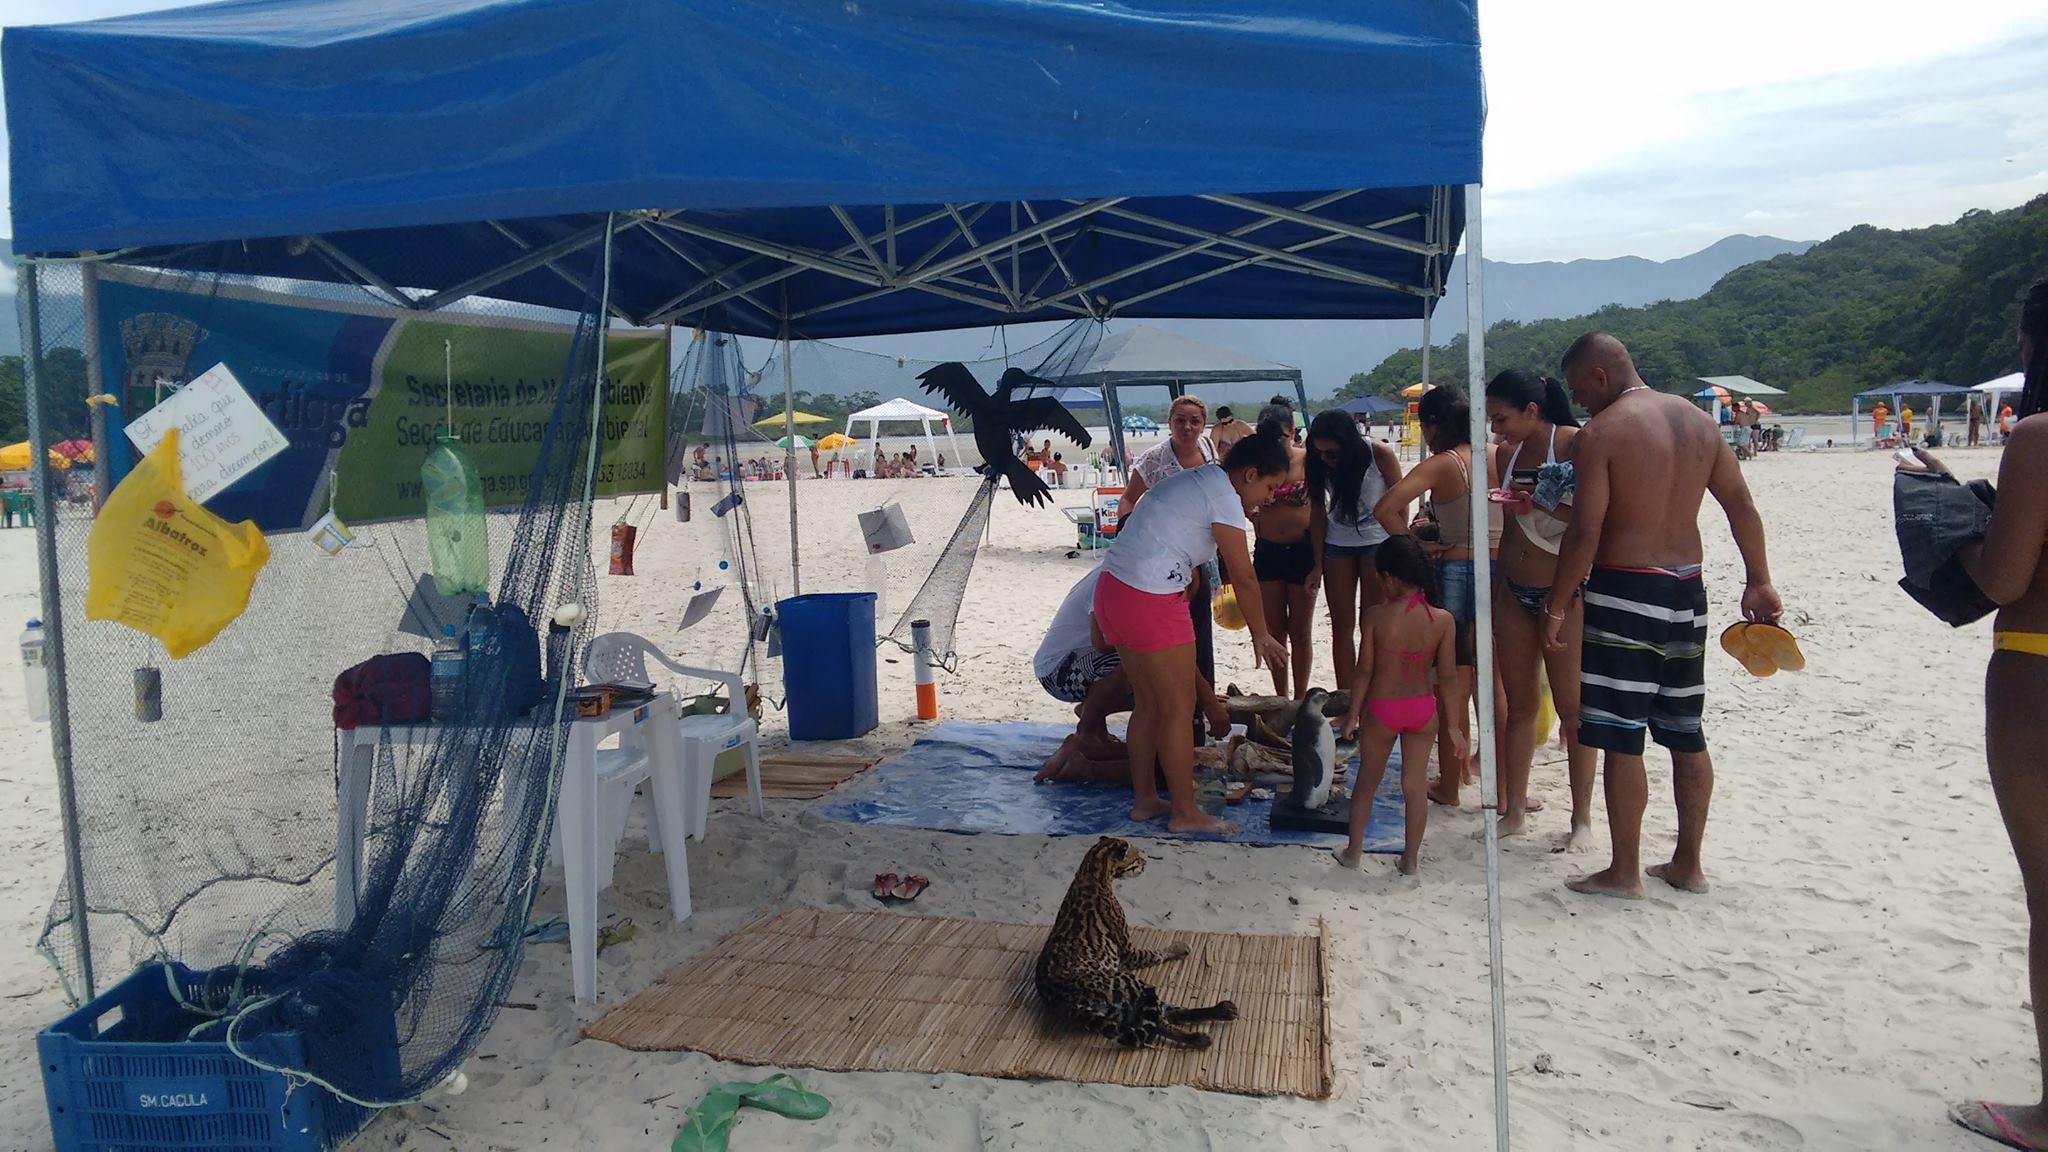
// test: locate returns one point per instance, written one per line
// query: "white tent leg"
(931, 446)
(1855, 417)
(796, 579)
(1482, 683)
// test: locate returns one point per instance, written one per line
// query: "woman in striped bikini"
(1532, 414)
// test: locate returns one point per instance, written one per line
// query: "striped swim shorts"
(1644, 663)
(1078, 671)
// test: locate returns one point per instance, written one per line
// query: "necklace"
(1631, 388)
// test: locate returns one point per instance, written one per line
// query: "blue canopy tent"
(839, 170)
(1933, 389)
(1370, 405)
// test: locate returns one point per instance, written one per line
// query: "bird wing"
(953, 381)
(1029, 414)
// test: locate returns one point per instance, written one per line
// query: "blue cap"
(35, 623)
(447, 629)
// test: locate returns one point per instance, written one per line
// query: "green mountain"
(1868, 307)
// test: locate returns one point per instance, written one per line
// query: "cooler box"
(828, 664)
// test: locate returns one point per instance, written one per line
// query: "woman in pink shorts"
(1141, 609)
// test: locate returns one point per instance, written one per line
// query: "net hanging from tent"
(208, 835)
(712, 405)
(819, 367)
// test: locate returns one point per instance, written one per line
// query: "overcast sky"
(1622, 127)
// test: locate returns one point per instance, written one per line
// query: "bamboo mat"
(878, 992)
(794, 777)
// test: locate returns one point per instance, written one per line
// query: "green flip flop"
(710, 1123)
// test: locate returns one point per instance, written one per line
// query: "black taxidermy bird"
(999, 419)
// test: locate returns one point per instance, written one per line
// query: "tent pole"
(1482, 682)
(796, 579)
(29, 305)
(1855, 417)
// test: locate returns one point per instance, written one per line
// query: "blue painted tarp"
(963, 777)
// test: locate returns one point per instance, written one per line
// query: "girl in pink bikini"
(1402, 639)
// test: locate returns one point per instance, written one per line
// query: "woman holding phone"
(1533, 417)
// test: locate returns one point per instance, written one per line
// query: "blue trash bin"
(828, 664)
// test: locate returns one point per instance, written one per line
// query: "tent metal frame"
(872, 265)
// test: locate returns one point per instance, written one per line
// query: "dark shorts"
(1644, 660)
(1461, 600)
(1286, 563)
(1348, 551)
(1078, 671)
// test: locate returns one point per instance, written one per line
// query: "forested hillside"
(1868, 307)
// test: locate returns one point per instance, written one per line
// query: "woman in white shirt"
(1140, 607)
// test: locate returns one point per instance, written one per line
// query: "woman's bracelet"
(1557, 616)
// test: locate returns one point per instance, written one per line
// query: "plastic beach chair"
(622, 657)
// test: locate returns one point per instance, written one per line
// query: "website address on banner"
(502, 485)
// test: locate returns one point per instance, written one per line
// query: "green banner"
(505, 380)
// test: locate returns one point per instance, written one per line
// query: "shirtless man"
(1644, 461)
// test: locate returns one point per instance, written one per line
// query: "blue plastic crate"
(120, 1077)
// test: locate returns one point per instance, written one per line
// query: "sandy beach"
(1858, 964)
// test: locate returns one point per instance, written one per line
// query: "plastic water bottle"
(449, 665)
(33, 669)
(486, 666)
(878, 583)
(455, 520)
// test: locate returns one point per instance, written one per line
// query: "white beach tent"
(1996, 389)
(900, 411)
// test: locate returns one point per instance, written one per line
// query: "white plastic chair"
(621, 657)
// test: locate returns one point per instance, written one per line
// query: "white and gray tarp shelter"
(1998, 388)
(740, 166)
(1143, 356)
(901, 411)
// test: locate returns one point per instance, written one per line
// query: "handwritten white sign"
(222, 434)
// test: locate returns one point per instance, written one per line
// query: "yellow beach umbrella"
(16, 458)
(835, 442)
(800, 417)
(1414, 390)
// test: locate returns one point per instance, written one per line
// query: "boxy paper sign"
(222, 434)
(330, 535)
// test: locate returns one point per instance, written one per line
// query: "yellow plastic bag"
(1226, 612)
(160, 563)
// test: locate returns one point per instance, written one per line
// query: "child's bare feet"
(1348, 857)
(1513, 825)
(1199, 822)
(1407, 864)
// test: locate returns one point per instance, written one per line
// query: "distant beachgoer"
(1906, 423)
(1643, 463)
(816, 472)
(1227, 431)
(2004, 423)
(1878, 416)
(1047, 458)
(1976, 421)
(2011, 567)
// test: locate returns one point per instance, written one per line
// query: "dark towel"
(1935, 518)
